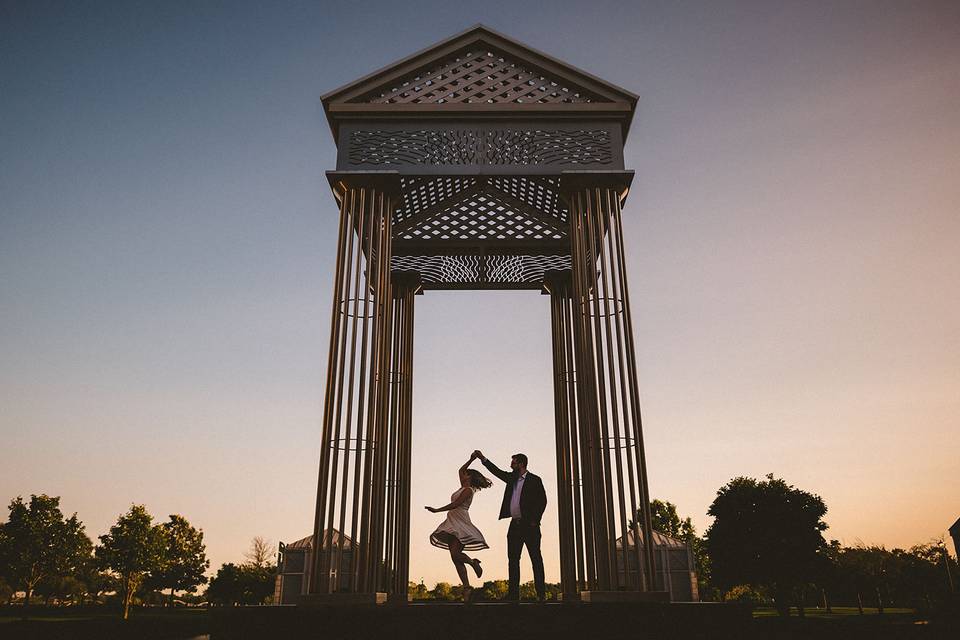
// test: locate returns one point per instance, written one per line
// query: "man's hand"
(478, 454)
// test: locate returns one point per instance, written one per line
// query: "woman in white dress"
(457, 532)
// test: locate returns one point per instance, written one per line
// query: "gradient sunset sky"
(167, 237)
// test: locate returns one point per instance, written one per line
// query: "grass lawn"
(836, 612)
(102, 624)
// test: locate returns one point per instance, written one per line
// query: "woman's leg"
(459, 558)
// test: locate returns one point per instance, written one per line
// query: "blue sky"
(166, 238)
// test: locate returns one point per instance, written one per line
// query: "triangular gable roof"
(307, 542)
(475, 71)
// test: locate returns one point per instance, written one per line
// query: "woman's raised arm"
(462, 471)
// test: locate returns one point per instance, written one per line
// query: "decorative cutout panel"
(481, 216)
(540, 194)
(541, 147)
(421, 194)
(479, 271)
(479, 75)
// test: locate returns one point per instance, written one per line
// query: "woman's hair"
(477, 480)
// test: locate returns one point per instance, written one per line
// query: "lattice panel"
(481, 216)
(440, 269)
(523, 268)
(439, 147)
(479, 271)
(420, 194)
(541, 194)
(479, 75)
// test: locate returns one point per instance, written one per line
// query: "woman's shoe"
(476, 567)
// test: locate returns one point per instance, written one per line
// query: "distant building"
(296, 563)
(955, 534)
(674, 564)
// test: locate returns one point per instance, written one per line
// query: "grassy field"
(843, 623)
(96, 623)
(837, 612)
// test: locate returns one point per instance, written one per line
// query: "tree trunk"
(781, 597)
(826, 602)
(879, 602)
(801, 598)
(860, 602)
(28, 589)
(170, 604)
(126, 598)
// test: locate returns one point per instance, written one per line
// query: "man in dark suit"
(524, 501)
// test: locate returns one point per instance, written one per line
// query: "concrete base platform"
(624, 596)
(482, 621)
(342, 599)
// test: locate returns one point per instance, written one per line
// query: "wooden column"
(569, 509)
(355, 443)
(616, 553)
(397, 551)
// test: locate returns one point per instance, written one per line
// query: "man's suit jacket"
(533, 498)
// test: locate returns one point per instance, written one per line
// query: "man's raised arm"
(492, 468)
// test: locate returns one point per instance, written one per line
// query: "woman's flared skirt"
(459, 526)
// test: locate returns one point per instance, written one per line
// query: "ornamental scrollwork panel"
(481, 147)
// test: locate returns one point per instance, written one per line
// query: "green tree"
(96, 580)
(665, 519)
(131, 550)
(528, 591)
(257, 584)
(224, 588)
(39, 544)
(183, 560)
(241, 584)
(418, 591)
(442, 591)
(767, 534)
(495, 589)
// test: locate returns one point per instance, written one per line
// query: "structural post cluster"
(361, 530)
(601, 466)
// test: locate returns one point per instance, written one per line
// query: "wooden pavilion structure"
(480, 163)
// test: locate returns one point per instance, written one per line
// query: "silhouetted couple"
(524, 501)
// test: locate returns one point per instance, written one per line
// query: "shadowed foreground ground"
(531, 622)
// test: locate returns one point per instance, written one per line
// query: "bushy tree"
(665, 518)
(874, 576)
(224, 588)
(183, 560)
(131, 550)
(241, 584)
(418, 591)
(495, 589)
(766, 534)
(257, 583)
(442, 591)
(38, 544)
